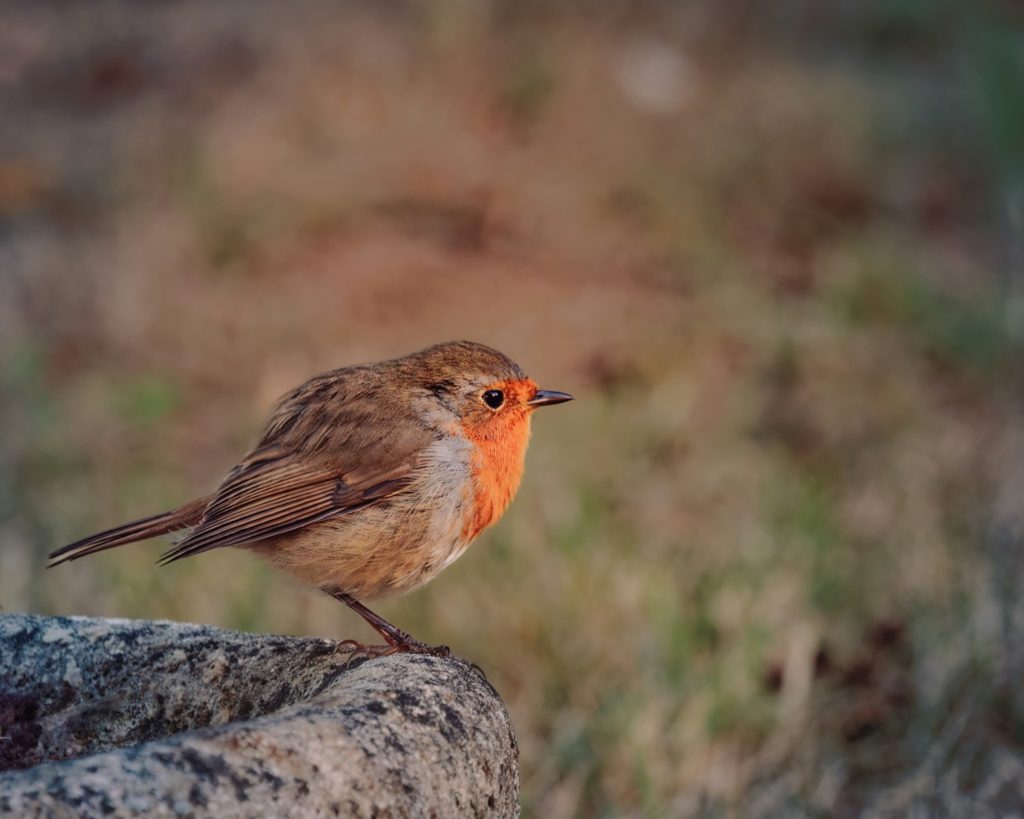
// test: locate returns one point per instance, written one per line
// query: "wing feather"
(281, 494)
(340, 442)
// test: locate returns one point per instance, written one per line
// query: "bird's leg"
(397, 640)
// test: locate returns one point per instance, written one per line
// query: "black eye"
(494, 398)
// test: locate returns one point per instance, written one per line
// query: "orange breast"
(499, 453)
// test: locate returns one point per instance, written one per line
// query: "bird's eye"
(494, 398)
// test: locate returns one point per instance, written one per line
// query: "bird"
(366, 481)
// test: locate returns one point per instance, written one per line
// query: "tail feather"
(188, 515)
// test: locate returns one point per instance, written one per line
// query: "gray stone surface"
(137, 718)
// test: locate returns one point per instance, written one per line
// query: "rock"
(120, 718)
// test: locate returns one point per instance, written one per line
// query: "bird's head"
(489, 395)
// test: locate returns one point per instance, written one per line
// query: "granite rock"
(112, 718)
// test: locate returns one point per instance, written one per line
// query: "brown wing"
(334, 445)
(276, 491)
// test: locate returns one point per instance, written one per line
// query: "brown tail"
(187, 515)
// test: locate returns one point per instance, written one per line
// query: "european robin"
(367, 480)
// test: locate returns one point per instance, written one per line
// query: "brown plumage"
(367, 480)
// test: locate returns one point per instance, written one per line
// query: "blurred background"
(769, 563)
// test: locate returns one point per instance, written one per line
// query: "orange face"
(500, 432)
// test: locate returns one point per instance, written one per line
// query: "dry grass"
(747, 572)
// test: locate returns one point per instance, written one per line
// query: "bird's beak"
(543, 398)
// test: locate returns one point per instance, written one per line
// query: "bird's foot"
(398, 641)
(408, 645)
(401, 643)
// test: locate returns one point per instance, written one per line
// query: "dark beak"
(543, 398)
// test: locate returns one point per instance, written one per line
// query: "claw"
(397, 640)
(410, 645)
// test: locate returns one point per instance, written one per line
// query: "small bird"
(369, 480)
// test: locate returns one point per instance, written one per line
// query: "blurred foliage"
(769, 562)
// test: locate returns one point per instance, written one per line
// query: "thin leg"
(397, 640)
